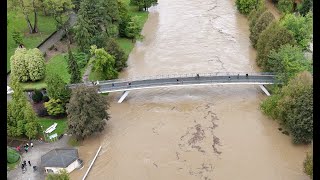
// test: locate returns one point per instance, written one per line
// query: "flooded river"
(206, 132)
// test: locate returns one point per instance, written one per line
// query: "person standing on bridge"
(198, 77)
(112, 84)
(246, 75)
(238, 76)
(229, 78)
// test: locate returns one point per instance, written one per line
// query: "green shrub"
(45, 98)
(301, 28)
(12, 156)
(269, 104)
(17, 37)
(55, 107)
(308, 165)
(272, 38)
(35, 65)
(120, 57)
(28, 64)
(305, 7)
(261, 24)
(254, 16)
(285, 6)
(287, 62)
(37, 96)
(246, 6)
(81, 58)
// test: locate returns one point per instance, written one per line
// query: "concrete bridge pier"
(123, 96)
(264, 90)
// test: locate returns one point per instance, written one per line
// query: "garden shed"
(59, 159)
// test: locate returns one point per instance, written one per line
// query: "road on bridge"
(181, 80)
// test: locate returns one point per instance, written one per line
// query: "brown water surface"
(206, 132)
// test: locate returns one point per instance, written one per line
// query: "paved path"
(34, 156)
(183, 80)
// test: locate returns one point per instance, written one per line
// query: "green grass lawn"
(46, 25)
(60, 129)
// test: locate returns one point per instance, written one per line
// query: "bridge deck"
(123, 85)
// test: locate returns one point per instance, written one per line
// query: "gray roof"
(59, 158)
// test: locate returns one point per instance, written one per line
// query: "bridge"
(147, 82)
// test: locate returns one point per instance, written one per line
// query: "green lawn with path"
(57, 64)
(60, 129)
(46, 25)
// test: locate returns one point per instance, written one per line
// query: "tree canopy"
(103, 63)
(28, 64)
(301, 27)
(120, 57)
(246, 6)
(261, 24)
(56, 87)
(87, 112)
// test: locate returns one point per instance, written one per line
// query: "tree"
(28, 64)
(285, 6)
(262, 23)
(17, 37)
(86, 112)
(76, 4)
(246, 6)
(293, 107)
(120, 57)
(56, 87)
(308, 165)
(63, 175)
(15, 109)
(287, 62)
(59, 9)
(103, 63)
(28, 7)
(143, 4)
(133, 29)
(55, 107)
(125, 18)
(37, 96)
(305, 7)
(21, 119)
(73, 69)
(254, 16)
(111, 12)
(93, 24)
(32, 126)
(272, 38)
(301, 28)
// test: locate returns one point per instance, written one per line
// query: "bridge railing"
(168, 76)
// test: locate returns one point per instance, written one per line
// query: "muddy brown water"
(205, 132)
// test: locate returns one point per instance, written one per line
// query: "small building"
(59, 159)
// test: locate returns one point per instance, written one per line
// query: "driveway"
(34, 156)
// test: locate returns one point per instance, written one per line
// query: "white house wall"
(69, 169)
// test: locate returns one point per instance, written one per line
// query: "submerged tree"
(87, 112)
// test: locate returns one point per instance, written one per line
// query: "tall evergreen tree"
(86, 112)
(56, 87)
(73, 69)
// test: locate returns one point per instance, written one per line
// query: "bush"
(12, 156)
(45, 98)
(55, 107)
(301, 28)
(37, 96)
(285, 6)
(254, 16)
(17, 37)
(293, 107)
(305, 7)
(308, 165)
(261, 24)
(272, 38)
(28, 64)
(246, 6)
(287, 62)
(35, 65)
(81, 58)
(120, 57)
